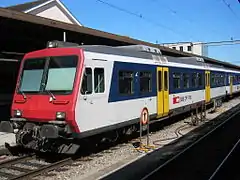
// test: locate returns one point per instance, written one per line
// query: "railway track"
(202, 158)
(28, 166)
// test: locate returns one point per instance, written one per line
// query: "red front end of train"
(43, 106)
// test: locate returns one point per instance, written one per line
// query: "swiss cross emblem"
(176, 99)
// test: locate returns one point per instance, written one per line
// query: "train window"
(32, 75)
(99, 84)
(181, 48)
(225, 79)
(176, 80)
(216, 79)
(159, 80)
(64, 68)
(213, 79)
(126, 82)
(194, 80)
(206, 79)
(165, 81)
(235, 79)
(200, 80)
(87, 81)
(222, 80)
(145, 82)
(186, 81)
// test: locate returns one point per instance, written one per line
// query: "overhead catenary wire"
(228, 5)
(141, 16)
(176, 13)
(219, 43)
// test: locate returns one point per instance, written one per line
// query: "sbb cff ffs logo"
(178, 99)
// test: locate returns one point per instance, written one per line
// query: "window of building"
(87, 82)
(176, 80)
(126, 82)
(145, 82)
(99, 80)
(194, 80)
(186, 81)
(174, 47)
(189, 48)
(181, 48)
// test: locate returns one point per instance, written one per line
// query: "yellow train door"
(162, 92)
(231, 85)
(207, 86)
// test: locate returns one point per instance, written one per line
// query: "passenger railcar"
(78, 92)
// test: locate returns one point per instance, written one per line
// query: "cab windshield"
(48, 74)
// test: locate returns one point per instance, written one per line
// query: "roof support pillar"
(64, 36)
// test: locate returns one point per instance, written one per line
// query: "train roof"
(145, 52)
(139, 51)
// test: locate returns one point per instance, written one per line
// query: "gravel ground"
(108, 160)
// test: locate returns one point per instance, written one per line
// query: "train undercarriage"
(57, 138)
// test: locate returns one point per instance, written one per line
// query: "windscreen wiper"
(51, 94)
(23, 94)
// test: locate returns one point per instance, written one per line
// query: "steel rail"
(224, 160)
(44, 169)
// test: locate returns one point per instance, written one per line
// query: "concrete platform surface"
(7, 138)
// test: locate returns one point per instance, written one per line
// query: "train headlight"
(51, 44)
(60, 115)
(17, 113)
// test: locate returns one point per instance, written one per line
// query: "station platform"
(195, 155)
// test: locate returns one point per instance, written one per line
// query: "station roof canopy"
(21, 33)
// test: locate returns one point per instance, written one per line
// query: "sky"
(163, 21)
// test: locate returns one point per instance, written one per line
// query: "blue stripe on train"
(124, 66)
(115, 96)
(188, 71)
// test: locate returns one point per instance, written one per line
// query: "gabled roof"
(32, 6)
(26, 6)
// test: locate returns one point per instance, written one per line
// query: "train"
(67, 94)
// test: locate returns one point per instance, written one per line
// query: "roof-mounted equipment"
(141, 48)
(200, 59)
(55, 44)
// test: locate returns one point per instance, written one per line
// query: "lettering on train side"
(179, 99)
